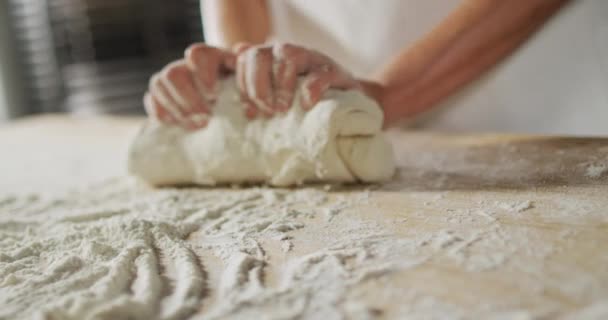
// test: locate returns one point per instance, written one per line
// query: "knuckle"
(317, 83)
(329, 68)
(195, 47)
(279, 49)
(263, 60)
(175, 72)
(260, 51)
(266, 53)
(198, 50)
(314, 77)
(285, 49)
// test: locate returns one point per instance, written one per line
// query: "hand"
(267, 77)
(184, 92)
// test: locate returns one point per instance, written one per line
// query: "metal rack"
(95, 56)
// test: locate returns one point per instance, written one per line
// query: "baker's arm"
(474, 37)
(227, 22)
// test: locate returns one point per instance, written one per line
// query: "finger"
(258, 78)
(148, 106)
(229, 63)
(156, 110)
(178, 79)
(162, 95)
(292, 61)
(205, 62)
(165, 115)
(208, 64)
(249, 107)
(318, 82)
(251, 111)
(304, 60)
(285, 84)
(180, 83)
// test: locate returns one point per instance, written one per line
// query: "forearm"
(227, 22)
(477, 35)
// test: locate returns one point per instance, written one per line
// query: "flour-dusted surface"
(472, 227)
(117, 250)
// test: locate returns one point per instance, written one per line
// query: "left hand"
(267, 77)
(184, 92)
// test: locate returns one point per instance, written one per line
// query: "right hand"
(267, 77)
(183, 93)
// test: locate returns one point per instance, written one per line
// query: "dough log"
(339, 140)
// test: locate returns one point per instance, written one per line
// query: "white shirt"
(557, 83)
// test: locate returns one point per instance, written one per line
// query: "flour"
(339, 140)
(596, 311)
(118, 250)
(595, 171)
(516, 207)
(96, 255)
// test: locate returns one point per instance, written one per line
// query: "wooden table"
(503, 224)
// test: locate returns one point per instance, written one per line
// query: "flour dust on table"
(119, 250)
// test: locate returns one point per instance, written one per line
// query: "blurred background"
(88, 56)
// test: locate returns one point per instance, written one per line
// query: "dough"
(339, 140)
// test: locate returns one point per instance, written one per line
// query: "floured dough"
(339, 140)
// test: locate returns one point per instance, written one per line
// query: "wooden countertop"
(504, 222)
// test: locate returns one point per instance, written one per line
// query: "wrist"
(377, 91)
(372, 89)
